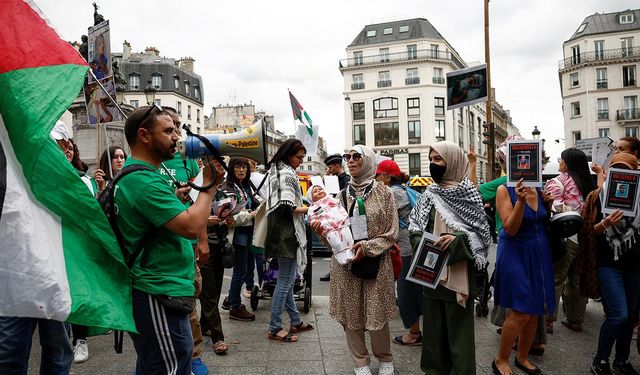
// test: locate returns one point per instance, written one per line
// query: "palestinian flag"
(59, 258)
(300, 114)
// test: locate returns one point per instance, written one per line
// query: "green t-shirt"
(488, 191)
(146, 202)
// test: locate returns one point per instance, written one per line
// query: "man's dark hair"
(634, 144)
(289, 148)
(134, 123)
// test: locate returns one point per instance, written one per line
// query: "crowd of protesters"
(178, 246)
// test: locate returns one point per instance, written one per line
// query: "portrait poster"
(100, 108)
(99, 51)
(622, 191)
(467, 86)
(428, 262)
(524, 161)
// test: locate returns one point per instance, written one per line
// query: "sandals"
(398, 340)
(283, 336)
(220, 348)
(300, 327)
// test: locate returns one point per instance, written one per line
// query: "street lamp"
(150, 93)
(535, 133)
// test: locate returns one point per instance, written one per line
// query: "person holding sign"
(609, 264)
(452, 210)
(524, 273)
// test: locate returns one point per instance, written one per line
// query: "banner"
(524, 161)
(100, 108)
(467, 86)
(99, 51)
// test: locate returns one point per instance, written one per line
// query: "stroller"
(301, 286)
(483, 290)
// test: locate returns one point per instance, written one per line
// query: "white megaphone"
(248, 143)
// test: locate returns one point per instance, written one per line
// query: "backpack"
(413, 197)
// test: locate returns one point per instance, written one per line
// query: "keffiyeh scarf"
(625, 235)
(461, 209)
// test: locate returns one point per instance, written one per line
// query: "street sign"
(586, 145)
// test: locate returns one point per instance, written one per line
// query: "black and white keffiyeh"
(461, 209)
(623, 236)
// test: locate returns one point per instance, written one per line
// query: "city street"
(324, 350)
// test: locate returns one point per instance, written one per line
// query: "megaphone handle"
(214, 152)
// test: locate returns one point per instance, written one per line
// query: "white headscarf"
(368, 171)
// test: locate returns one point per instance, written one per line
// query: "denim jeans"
(283, 295)
(15, 346)
(254, 261)
(237, 278)
(621, 301)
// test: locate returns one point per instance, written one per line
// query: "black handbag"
(178, 305)
(366, 268)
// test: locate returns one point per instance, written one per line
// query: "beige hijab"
(368, 172)
(457, 163)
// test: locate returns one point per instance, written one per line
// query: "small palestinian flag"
(300, 114)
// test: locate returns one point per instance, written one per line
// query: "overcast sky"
(255, 50)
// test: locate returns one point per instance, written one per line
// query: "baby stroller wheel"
(254, 297)
(307, 300)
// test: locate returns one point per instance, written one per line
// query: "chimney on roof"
(186, 64)
(126, 50)
(152, 51)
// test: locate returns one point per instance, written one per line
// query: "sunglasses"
(356, 156)
(148, 112)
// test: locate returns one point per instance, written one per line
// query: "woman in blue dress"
(524, 273)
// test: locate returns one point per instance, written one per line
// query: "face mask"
(437, 172)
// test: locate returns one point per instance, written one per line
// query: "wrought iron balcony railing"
(385, 83)
(594, 56)
(438, 80)
(387, 58)
(602, 84)
(603, 114)
(357, 86)
(412, 81)
(628, 114)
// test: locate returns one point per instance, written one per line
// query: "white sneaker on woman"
(386, 368)
(362, 370)
(81, 352)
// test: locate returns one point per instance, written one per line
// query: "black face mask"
(437, 172)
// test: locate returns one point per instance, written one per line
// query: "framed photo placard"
(622, 191)
(524, 161)
(428, 262)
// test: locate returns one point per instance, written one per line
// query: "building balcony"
(385, 83)
(608, 55)
(602, 84)
(400, 57)
(412, 81)
(603, 114)
(439, 80)
(357, 86)
(631, 114)
(628, 82)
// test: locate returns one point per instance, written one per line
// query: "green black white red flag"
(59, 258)
(300, 114)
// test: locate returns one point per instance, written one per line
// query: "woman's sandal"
(300, 327)
(283, 336)
(220, 348)
(399, 340)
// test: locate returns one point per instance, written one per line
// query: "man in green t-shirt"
(145, 202)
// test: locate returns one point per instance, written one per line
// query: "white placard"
(332, 184)
(193, 194)
(317, 180)
(310, 142)
(256, 179)
(600, 154)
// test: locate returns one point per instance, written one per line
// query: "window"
(404, 29)
(575, 109)
(439, 106)
(604, 132)
(371, 33)
(308, 167)
(188, 112)
(626, 18)
(187, 88)
(601, 78)
(461, 136)
(196, 90)
(598, 47)
(576, 137)
(630, 102)
(628, 75)
(603, 108)
(627, 46)
(358, 111)
(179, 109)
(412, 52)
(434, 51)
(413, 106)
(308, 158)
(358, 134)
(471, 127)
(357, 58)
(414, 132)
(440, 136)
(385, 107)
(414, 165)
(387, 31)
(631, 131)
(197, 115)
(134, 103)
(156, 81)
(358, 82)
(176, 82)
(384, 79)
(384, 55)
(134, 82)
(573, 79)
(460, 118)
(387, 133)
(412, 77)
(575, 55)
(581, 28)
(438, 77)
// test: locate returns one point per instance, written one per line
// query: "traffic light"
(488, 132)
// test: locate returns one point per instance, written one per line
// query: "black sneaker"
(225, 304)
(623, 368)
(600, 368)
(241, 314)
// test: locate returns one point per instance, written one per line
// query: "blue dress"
(524, 279)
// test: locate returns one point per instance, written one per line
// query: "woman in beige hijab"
(452, 210)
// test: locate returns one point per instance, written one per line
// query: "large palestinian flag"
(59, 258)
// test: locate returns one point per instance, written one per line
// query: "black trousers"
(212, 273)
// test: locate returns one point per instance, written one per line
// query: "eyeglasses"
(356, 156)
(240, 167)
(148, 112)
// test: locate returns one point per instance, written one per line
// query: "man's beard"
(165, 153)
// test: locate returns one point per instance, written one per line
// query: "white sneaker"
(386, 368)
(81, 352)
(362, 370)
